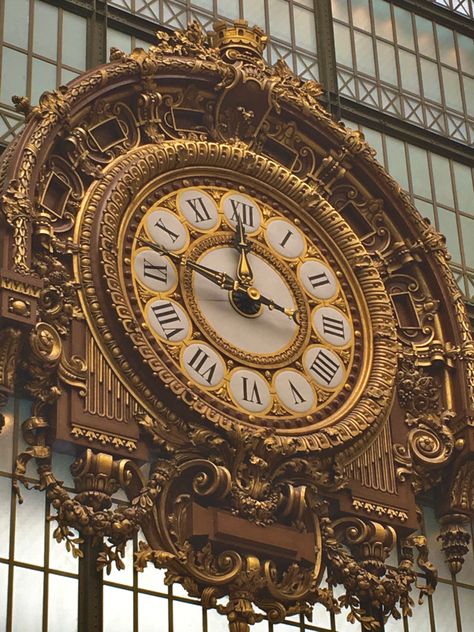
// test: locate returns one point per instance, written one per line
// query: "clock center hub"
(246, 302)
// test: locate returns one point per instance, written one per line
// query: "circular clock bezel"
(103, 211)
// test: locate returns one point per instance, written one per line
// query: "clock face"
(245, 302)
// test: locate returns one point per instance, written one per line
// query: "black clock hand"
(222, 279)
(255, 295)
(244, 272)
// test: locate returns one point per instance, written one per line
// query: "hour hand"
(244, 272)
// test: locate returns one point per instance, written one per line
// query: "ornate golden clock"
(243, 293)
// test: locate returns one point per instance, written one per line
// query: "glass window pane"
(464, 187)
(387, 63)
(382, 19)
(342, 37)
(74, 40)
(62, 603)
(152, 579)
(150, 611)
(3, 595)
(361, 14)
(280, 20)
(447, 51)
(426, 210)
(217, 623)
(466, 605)
(27, 591)
(117, 619)
(452, 90)
(466, 53)
(228, 9)
(429, 72)
(397, 165)
(5, 504)
(117, 39)
(364, 53)
(404, 27)
(420, 620)
(254, 12)
(409, 71)
(305, 29)
(13, 75)
(424, 30)
(419, 171)
(187, 617)
(467, 230)
(45, 30)
(43, 77)
(442, 180)
(16, 19)
(339, 10)
(448, 227)
(203, 4)
(443, 605)
(375, 140)
(29, 543)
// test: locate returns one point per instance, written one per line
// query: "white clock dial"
(168, 320)
(317, 279)
(332, 326)
(154, 271)
(324, 366)
(204, 365)
(237, 205)
(198, 208)
(250, 390)
(285, 239)
(294, 391)
(267, 333)
(166, 230)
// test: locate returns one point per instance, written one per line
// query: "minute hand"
(222, 279)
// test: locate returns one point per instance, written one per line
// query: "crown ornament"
(238, 37)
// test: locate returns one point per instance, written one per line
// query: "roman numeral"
(317, 280)
(333, 326)
(324, 367)
(285, 238)
(157, 272)
(250, 395)
(298, 398)
(199, 362)
(167, 317)
(245, 212)
(173, 236)
(200, 210)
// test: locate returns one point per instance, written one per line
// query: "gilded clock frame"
(138, 173)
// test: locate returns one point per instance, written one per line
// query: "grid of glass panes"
(406, 65)
(42, 46)
(38, 577)
(464, 7)
(290, 24)
(441, 189)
